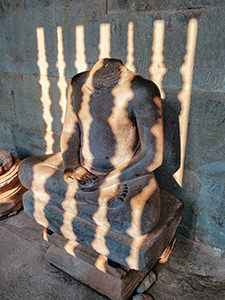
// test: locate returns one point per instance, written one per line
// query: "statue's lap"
(133, 204)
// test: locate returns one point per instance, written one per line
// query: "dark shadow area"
(171, 147)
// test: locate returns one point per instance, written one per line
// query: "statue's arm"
(150, 129)
(148, 115)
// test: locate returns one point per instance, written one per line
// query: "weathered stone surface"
(48, 109)
(7, 111)
(7, 137)
(118, 6)
(209, 52)
(207, 119)
(20, 41)
(30, 134)
(95, 9)
(208, 225)
(193, 271)
(142, 297)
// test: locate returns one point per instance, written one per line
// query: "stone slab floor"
(193, 271)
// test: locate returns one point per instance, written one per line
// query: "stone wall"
(179, 44)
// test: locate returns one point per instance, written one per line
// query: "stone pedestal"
(87, 266)
(11, 191)
(138, 253)
(107, 276)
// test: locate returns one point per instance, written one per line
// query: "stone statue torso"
(111, 142)
(107, 126)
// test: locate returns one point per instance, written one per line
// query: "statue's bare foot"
(86, 180)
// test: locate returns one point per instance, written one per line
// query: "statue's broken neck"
(106, 73)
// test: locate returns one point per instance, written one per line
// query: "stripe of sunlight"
(100, 262)
(133, 259)
(130, 47)
(157, 69)
(184, 96)
(61, 65)
(100, 219)
(69, 205)
(102, 228)
(80, 61)
(85, 114)
(137, 204)
(45, 85)
(39, 206)
(104, 41)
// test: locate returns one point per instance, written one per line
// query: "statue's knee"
(25, 171)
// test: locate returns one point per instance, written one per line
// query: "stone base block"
(139, 253)
(87, 266)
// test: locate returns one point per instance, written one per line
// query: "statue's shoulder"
(80, 78)
(145, 85)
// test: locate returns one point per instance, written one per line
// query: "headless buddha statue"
(111, 142)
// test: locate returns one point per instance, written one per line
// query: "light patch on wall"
(80, 61)
(157, 69)
(130, 47)
(104, 41)
(61, 65)
(184, 96)
(45, 85)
